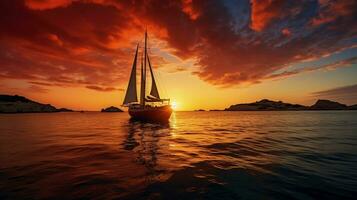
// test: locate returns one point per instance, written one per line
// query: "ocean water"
(197, 155)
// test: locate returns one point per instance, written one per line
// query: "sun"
(174, 105)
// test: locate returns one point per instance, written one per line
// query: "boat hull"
(161, 113)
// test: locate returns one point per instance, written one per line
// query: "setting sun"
(174, 105)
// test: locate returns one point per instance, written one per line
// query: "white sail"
(154, 91)
(131, 94)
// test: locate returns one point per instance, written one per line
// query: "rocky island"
(20, 104)
(111, 109)
(269, 105)
(352, 107)
(265, 104)
(322, 104)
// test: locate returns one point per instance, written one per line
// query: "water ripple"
(197, 155)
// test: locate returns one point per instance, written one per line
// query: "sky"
(206, 54)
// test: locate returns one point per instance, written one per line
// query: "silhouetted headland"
(269, 105)
(20, 104)
(352, 107)
(111, 109)
(328, 105)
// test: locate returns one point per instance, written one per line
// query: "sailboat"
(150, 107)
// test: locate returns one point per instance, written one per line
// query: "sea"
(196, 155)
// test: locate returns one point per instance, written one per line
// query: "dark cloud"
(49, 4)
(330, 66)
(333, 10)
(103, 89)
(77, 44)
(346, 94)
(37, 89)
(90, 42)
(346, 90)
(231, 56)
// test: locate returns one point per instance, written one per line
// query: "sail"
(131, 94)
(154, 91)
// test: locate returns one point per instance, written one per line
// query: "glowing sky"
(207, 54)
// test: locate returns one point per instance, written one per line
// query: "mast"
(143, 85)
(142, 88)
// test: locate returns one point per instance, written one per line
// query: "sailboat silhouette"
(150, 107)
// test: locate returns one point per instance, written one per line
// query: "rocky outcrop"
(20, 104)
(352, 107)
(323, 104)
(265, 104)
(111, 109)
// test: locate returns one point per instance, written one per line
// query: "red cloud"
(330, 11)
(286, 32)
(189, 9)
(71, 45)
(46, 4)
(90, 42)
(263, 12)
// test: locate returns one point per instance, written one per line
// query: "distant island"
(20, 104)
(268, 105)
(111, 109)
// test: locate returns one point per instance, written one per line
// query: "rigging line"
(145, 61)
(148, 51)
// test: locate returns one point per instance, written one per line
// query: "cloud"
(46, 4)
(35, 88)
(345, 93)
(91, 42)
(327, 67)
(286, 32)
(244, 56)
(350, 89)
(264, 11)
(330, 11)
(187, 7)
(102, 89)
(69, 44)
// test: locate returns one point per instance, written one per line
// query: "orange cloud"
(189, 9)
(91, 42)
